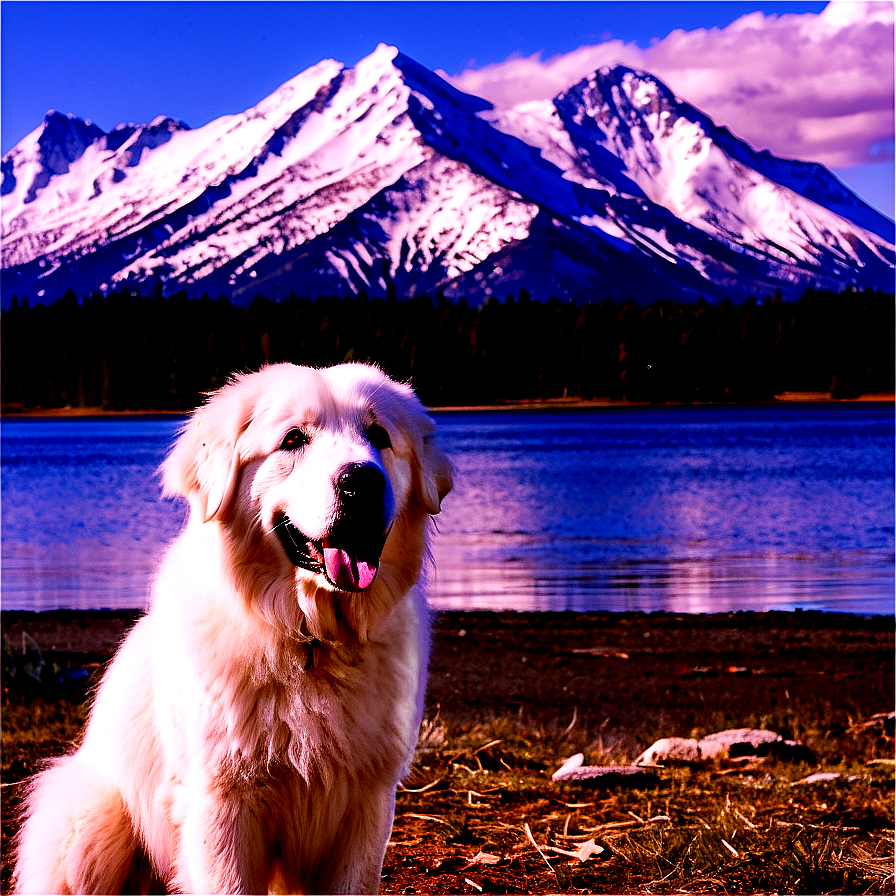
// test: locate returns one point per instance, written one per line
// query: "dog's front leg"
(221, 848)
(355, 864)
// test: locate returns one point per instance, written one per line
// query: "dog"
(252, 729)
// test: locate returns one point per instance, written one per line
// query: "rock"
(826, 777)
(881, 723)
(608, 776)
(752, 737)
(574, 762)
(733, 743)
(671, 749)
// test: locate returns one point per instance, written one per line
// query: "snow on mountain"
(385, 178)
(623, 123)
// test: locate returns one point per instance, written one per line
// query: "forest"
(127, 351)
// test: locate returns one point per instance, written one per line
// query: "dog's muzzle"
(349, 556)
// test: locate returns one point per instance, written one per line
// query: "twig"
(730, 848)
(423, 789)
(638, 822)
(425, 817)
(532, 841)
(583, 853)
(816, 827)
(491, 743)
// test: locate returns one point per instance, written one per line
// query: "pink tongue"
(347, 573)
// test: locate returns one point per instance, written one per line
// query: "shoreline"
(624, 675)
(74, 631)
(15, 411)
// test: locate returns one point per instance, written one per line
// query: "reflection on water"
(683, 509)
(83, 519)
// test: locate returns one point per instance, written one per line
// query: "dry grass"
(481, 811)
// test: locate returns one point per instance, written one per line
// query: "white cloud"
(807, 86)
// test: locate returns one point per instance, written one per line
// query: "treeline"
(130, 351)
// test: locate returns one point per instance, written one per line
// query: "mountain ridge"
(384, 178)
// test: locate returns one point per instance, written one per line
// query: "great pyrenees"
(250, 733)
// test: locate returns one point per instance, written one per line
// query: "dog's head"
(322, 482)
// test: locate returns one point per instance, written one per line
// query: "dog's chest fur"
(355, 712)
(348, 715)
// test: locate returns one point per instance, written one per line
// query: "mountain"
(385, 179)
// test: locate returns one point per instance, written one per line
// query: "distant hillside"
(147, 352)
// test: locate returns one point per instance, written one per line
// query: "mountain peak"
(383, 53)
(130, 141)
(698, 169)
(63, 138)
(627, 96)
(48, 151)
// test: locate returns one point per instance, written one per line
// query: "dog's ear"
(203, 466)
(436, 474)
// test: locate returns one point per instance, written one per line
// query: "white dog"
(251, 731)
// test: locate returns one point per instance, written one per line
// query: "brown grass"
(465, 819)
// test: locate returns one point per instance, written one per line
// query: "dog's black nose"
(362, 481)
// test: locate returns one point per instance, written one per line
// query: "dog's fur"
(251, 731)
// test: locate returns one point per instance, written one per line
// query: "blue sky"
(131, 61)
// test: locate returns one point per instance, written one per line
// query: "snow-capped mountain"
(384, 178)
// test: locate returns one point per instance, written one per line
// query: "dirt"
(629, 676)
(626, 677)
(636, 676)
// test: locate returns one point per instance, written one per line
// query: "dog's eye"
(294, 439)
(378, 437)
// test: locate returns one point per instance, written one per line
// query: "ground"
(512, 695)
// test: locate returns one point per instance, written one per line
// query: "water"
(703, 509)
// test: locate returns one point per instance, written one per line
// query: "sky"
(809, 80)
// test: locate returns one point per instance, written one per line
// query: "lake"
(681, 509)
